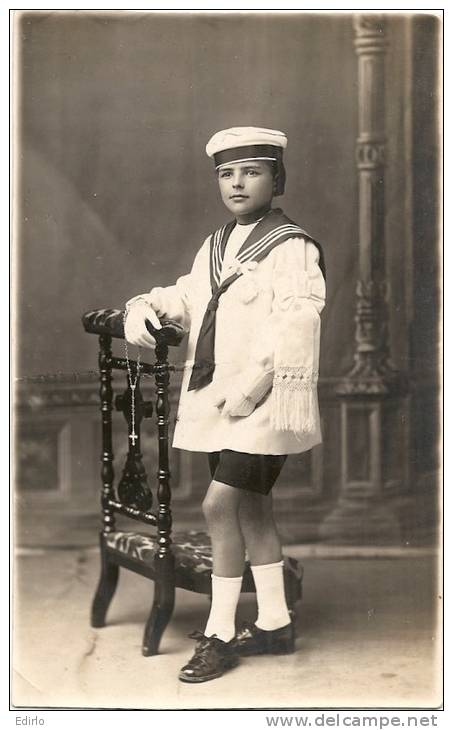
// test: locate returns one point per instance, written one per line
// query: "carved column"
(371, 371)
(373, 433)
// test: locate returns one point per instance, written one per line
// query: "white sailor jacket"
(266, 353)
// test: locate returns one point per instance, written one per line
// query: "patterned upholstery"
(193, 559)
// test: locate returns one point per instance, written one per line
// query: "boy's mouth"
(238, 197)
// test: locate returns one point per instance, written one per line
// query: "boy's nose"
(238, 182)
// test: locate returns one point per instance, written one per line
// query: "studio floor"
(367, 637)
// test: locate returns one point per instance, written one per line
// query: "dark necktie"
(204, 364)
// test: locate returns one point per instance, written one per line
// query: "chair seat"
(193, 559)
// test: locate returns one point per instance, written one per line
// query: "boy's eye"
(226, 173)
(252, 172)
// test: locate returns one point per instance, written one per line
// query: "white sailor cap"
(239, 144)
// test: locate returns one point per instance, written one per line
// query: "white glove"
(135, 330)
(236, 405)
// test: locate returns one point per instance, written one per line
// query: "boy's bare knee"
(210, 508)
(220, 503)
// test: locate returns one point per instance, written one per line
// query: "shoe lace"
(201, 638)
(248, 626)
(200, 659)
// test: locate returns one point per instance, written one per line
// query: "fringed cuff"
(293, 399)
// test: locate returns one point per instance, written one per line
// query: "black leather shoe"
(251, 640)
(212, 658)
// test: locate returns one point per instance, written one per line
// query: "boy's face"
(247, 188)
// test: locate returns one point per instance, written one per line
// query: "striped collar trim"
(255, 250)
(259, 247)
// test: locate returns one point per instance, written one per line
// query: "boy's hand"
(237, 405)
(219, 401)
(135, 330)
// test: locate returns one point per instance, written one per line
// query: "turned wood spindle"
(164, 517)
(106, 394)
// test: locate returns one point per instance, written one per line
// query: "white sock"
(225, 597)
(270, 595)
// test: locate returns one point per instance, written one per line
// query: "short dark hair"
(279, 173)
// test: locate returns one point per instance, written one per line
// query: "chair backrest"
(132, 496)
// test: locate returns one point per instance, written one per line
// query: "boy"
(251, 303)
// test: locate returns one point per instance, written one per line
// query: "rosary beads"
(133, 382)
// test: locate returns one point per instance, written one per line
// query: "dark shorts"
(253, 472)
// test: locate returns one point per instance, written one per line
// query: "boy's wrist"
(136, 302)
(238, 404)
(255, 382)
(143, 300)
(248, 398)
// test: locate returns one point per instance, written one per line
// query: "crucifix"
(133, 489)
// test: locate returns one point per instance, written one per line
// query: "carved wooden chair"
(182, 560)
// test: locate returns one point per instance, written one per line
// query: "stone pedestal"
(374, 469)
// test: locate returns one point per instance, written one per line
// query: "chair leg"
(161, 612)
(105, 591)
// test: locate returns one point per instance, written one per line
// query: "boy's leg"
(273, 631)
(216, 650)
(221, 508)
(265, 554)
(258, 528)
(221, 511)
